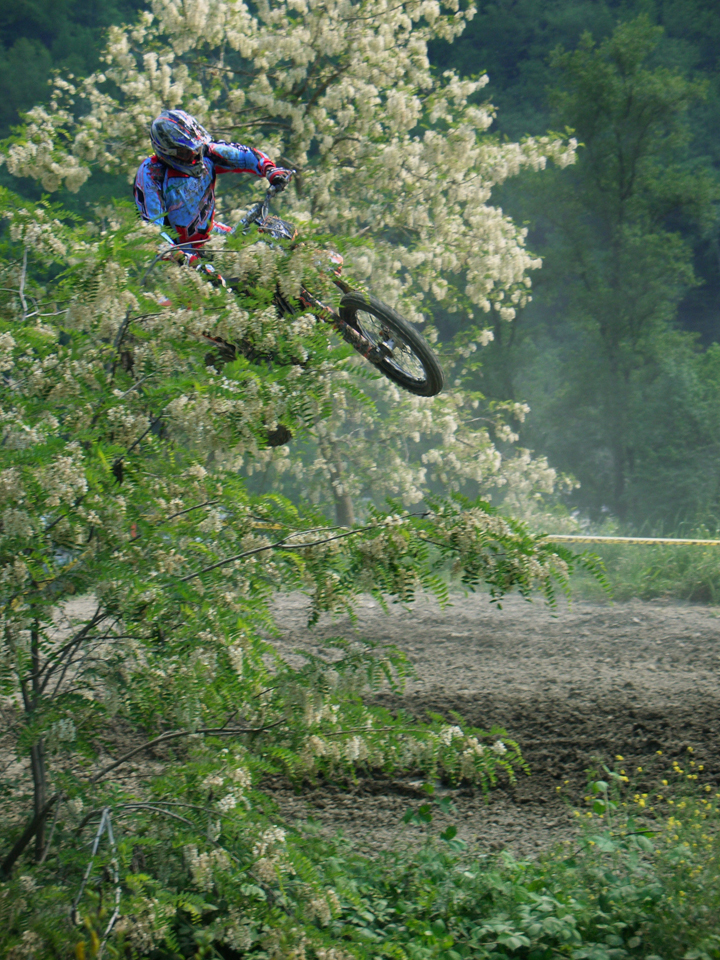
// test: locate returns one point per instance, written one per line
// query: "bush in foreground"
(640, 880)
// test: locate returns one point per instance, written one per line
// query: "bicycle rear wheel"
(409, 361)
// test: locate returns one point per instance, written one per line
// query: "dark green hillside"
(39, 36)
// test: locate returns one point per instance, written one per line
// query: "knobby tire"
(366, 313)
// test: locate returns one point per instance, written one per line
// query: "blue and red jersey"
(167, 197)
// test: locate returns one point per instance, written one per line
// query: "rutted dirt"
(592, 681)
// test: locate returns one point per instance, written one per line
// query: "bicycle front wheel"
(408, 359)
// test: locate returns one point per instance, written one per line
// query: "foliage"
(138, 674)
(639, 880)
(38, 37)
(380, 444)
(621, 393)
(548, 357)
(408, 177)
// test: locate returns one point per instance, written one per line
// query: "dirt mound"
(589, 681)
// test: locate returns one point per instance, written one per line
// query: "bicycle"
(376, 331)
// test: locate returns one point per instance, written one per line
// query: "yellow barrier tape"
(644, 541)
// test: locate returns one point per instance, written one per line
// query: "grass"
(648, 572)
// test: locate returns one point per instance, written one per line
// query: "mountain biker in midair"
(176, 186)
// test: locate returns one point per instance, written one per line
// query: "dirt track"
(596, 680)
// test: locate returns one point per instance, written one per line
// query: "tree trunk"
(619, 481)
(344, 511)
(616, 401)
(37, 765)
(37, 752)
(31, 688)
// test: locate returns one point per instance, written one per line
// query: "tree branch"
(39, 819)
(284, 545)
(67, 647)
(278, 545)
(46, 851)
(26, 836)
(180, 513)
(166, 737)
(21, 289)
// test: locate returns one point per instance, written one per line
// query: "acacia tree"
(376, 445)
(391, 157)
(121, 486)
(136, 573)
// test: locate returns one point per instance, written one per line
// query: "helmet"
(179, 141)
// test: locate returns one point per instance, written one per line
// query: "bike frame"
(260, 212)
(324, 313)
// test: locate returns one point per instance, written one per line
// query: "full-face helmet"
(180, 141)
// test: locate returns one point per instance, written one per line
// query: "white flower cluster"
(239, 933)
(448, 734)
(146, 925)
(39, 232)
(320, 910)
(235, 782)
(31, 946)
(63, 730)
(39, 153)
(204, 866)
(65, 480)
(469, 757)
(270, 856)
(367, 84)
(270, 839)
(323, 908)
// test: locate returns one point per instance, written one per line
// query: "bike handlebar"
(258, 211)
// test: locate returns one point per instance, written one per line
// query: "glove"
(279, 177)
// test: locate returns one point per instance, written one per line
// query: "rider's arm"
(236, 158)
(148, 191)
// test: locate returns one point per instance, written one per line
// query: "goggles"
(188, 155)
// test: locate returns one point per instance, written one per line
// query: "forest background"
(617, 353)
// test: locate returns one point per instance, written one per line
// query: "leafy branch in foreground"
(140, 685)
(138, 673)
